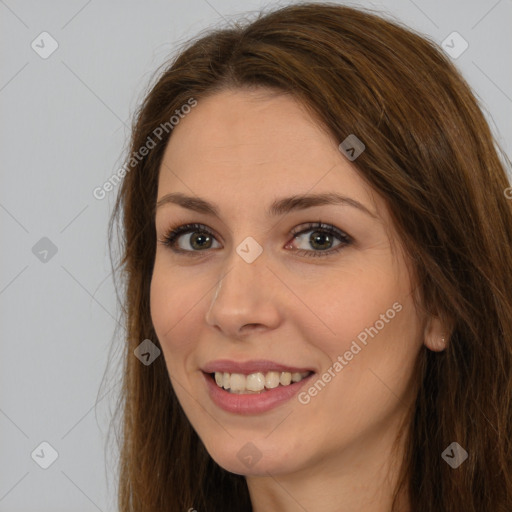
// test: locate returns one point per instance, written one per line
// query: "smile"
(243, 401)
(256, 382)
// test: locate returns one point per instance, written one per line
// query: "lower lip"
(253, 403)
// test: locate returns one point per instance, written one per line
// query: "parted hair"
(431, 156)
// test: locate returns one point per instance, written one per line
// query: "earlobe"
(436, 344)
(436, 337)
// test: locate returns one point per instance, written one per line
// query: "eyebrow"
(278, 207)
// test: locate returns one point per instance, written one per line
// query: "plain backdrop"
(65, 120)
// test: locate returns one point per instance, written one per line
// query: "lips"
(250, 404)
(253, 366)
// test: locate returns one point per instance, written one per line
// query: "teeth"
(256, 382)
(253, 382)
(272, 380)
(296, 377)
(237, 382)
(285, 379)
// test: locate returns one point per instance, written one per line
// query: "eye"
(322, 235)
(201, 238)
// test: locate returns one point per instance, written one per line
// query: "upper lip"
(248, 367)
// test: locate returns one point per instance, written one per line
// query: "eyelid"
(175, 231)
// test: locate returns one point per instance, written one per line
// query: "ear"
(436, 334)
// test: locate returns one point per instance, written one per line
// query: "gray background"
(64, 130)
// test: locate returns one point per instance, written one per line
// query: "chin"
(253, 458)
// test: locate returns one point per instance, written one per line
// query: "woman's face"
(262, 284)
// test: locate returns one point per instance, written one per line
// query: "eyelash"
(173, 233)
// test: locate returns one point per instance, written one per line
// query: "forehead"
(255, 125)
(249, 146)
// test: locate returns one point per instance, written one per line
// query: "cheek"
(161, 303)
(353, 302)
(174, 305)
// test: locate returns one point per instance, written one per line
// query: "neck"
(361, 478)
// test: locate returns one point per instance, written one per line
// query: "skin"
(241, 149)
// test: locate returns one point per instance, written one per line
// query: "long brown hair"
(431, 155)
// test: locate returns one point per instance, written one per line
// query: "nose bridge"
(239, 277)
(240, 296)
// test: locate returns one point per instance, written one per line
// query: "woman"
(377, 375)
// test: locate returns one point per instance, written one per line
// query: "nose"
(245, 298)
